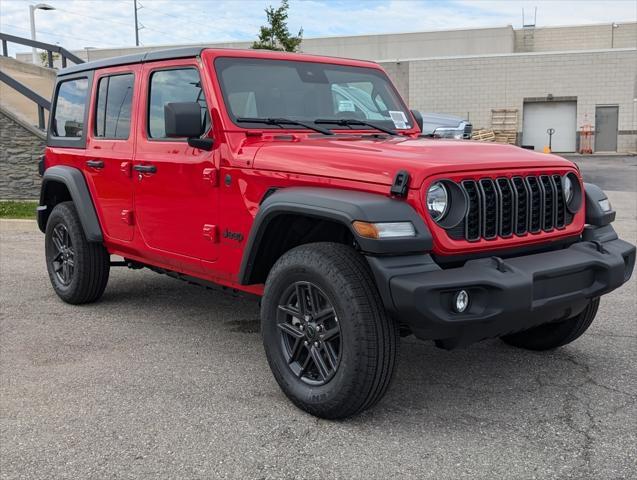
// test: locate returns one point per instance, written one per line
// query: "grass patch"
(17, 209)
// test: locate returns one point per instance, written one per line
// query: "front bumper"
(505, 295)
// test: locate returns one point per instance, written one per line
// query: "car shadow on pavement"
(487, 382)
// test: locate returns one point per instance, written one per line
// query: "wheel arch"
(298, 215)
(62, 183)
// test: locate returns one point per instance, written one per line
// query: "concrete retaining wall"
(20, 147)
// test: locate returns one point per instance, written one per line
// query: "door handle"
(95, 163)
(145, 168)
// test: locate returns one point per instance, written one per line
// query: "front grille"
(468, 128)
(503, 207)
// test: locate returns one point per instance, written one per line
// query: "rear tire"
(328, 340)
(78, 269)
(556, 334)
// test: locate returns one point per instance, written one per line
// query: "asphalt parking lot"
(164, 379)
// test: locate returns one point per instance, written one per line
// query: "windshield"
(308, 91)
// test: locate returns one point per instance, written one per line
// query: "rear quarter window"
(70, 108)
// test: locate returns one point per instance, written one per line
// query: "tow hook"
(599, 246)
(500, 265)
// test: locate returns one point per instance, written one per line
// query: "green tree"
(275, 35)
(44, 57)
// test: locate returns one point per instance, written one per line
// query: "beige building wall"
(399, 73)
(580, 37)
(417, 44)
(395, 46)
(365, 47)
(474, 85)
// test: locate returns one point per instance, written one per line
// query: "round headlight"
(568, 189)
(437, 200)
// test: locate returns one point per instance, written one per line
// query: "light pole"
(88, 49)
(32, 9)
(612, 34)
(136, 26)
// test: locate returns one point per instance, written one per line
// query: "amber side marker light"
(379, 231)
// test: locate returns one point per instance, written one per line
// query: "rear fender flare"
(75, 183)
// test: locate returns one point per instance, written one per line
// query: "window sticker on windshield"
(399, 119)
(346, 106)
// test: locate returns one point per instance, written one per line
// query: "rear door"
(175, 188)
(109, 150)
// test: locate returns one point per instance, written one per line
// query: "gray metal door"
(606, 129)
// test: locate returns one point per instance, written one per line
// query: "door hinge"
(210, 175)
(126, 168)
(211, 233)
(127, 217)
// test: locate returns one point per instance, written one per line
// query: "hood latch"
(401, 184)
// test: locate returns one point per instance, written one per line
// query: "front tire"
(78, 269)
(328, 340)
(556, 334)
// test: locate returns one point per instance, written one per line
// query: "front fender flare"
(75, 183)
(344, 207)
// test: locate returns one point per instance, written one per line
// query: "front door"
(109, 150)
(606, 128)
(175, 189)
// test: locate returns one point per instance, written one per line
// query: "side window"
(113, 112)
(70, 105)
(166, 86)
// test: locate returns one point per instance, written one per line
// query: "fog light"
(461, 301)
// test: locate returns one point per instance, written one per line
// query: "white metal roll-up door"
(540, 116)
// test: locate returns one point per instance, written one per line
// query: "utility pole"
(136, 25)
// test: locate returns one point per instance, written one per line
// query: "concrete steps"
(38, 79)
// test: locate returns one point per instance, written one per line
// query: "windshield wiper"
(285, 121)
(348, 122)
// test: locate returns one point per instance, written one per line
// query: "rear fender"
(75, 184)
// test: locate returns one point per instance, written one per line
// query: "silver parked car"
(437, 125)
(440, 125)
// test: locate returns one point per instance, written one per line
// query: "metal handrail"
(49, 47)
(41, 102)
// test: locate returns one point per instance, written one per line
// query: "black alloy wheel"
(328, 340)
(63, 261)
(78, 269)
(310, 333)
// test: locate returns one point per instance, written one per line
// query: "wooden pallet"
(504, 120)
(483, 135)
(506, 137)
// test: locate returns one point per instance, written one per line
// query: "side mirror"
(183, 119)
(418, 117)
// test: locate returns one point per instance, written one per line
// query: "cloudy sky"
(77, 24)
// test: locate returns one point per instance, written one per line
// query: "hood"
(377, 160)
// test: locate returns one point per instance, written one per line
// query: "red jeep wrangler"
(257, 171)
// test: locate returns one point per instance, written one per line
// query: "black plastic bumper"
(505, 295)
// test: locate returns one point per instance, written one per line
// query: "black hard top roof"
(184, 52)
